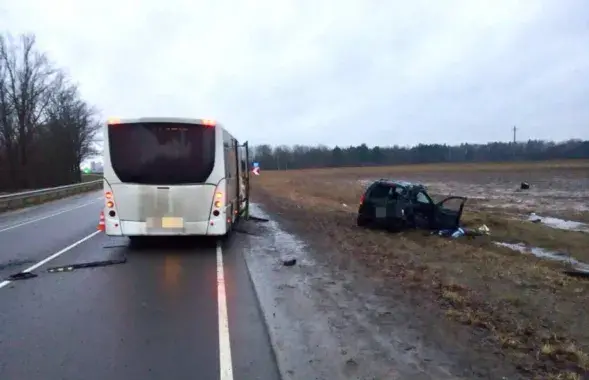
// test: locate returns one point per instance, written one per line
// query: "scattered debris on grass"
(464, 231)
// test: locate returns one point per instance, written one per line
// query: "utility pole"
(514, 146)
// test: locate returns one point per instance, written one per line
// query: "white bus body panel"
(140, 209)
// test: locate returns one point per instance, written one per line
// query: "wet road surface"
(160, 315)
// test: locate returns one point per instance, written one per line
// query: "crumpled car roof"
(402, 183)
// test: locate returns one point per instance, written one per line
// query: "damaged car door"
(423, 208)
(448, 213)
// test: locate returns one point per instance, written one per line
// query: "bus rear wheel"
(137, 241)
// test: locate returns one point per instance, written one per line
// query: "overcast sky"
(328, 72)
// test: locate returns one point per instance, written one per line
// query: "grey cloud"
(329, 72)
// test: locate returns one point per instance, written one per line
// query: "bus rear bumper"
(214, 227)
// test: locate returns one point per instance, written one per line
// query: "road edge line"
(225, 362)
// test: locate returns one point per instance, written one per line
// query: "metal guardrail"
(25, 198)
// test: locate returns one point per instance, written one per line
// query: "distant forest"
(300, 157)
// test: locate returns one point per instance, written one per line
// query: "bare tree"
(7, 123)
(46, 129)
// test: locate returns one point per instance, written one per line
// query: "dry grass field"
(520, 306)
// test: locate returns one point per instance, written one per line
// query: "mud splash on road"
(328, 324)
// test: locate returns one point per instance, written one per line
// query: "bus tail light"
(110, 203)
(109, 199)
(218, 199)
(208, 122)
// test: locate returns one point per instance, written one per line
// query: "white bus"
(171, 176)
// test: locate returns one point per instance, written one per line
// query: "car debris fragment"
(257, 219)
(289, 261)
(21, 276)
(534, 218)
(93, 264)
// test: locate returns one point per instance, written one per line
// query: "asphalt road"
(160, 315)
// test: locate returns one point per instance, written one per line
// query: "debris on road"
(289, 262)
(21, 276)
(257, 219)
(93, 264)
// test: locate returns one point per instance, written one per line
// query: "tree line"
(46, 128)
(301, 157)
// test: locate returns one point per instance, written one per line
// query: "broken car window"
(380, 192)
(422, 198)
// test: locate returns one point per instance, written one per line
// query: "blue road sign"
(256, 164)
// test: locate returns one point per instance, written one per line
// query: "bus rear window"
(162, 153)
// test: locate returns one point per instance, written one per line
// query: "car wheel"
(361, 221)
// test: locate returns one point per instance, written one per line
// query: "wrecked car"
(398, 205)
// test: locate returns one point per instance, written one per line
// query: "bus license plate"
(170, 222)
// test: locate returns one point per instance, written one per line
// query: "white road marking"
(47, 216)
(225, 363)
(57, 254)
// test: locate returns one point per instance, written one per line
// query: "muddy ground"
(462, 308)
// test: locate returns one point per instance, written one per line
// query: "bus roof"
(161, 120)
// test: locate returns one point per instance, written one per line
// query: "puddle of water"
(562, 224)
(544, 254)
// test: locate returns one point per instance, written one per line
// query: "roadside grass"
(531, 311)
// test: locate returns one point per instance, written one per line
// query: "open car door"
(448, 213)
